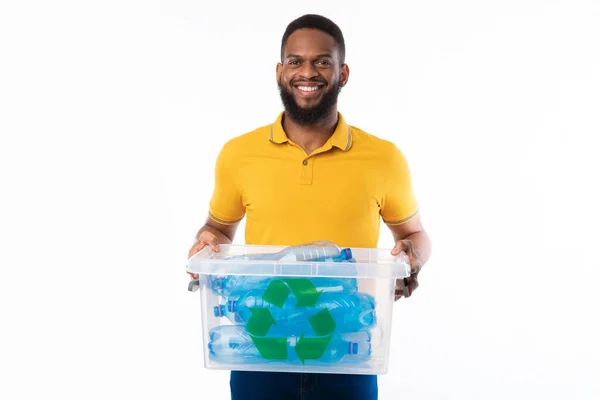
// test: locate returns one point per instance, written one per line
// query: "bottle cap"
(219, 310)
(231, 305)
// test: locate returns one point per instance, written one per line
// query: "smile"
(308, 88)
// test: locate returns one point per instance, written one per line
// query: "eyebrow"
(327, 55)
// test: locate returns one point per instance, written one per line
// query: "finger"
(413, 257)
(399, 284)
(214, 245)
(400, 293)
(413, 284)
(400, 246)
(193, 276)
(410, 251)
(397, 294)
(401, 289)
(196, 248)
(413, 268)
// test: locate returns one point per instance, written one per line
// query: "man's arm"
(411, 238)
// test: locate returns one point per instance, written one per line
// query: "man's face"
(310, 76)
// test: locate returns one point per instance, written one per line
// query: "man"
(310, 176)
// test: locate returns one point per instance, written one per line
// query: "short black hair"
(314, 21)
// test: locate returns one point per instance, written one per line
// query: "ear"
(278, 70)
(344, 74)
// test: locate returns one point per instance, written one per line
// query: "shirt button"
(305, 162)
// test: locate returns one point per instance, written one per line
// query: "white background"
(111, 116)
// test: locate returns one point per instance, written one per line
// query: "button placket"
(306, 171)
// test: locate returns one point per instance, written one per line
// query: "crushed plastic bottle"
(233, 286)
(232, 344)
(351, 312)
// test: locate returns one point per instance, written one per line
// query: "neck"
(310, 137)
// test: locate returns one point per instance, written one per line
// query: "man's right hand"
(206, 238)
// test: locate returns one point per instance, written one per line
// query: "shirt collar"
(341, 138)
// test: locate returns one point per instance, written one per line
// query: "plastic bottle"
(314, 251)
(233, 286)
(323, 251)
(351, 312)
(231, 344)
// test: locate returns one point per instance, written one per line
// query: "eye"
(293, 62)
(323, 62)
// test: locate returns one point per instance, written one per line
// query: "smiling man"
(310, 176)
(310, 95)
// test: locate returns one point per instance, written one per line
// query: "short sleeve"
(226, 206)
(399, 204)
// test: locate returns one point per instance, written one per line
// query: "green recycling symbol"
(261, 320)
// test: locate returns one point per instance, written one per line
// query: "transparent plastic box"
(296, 316)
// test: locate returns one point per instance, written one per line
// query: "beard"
(312, 115)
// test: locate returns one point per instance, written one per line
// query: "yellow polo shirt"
(338, 193)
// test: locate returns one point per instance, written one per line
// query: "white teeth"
(308, 88)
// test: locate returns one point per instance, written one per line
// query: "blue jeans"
(246, 385)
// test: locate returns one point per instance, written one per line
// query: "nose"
(308, 70)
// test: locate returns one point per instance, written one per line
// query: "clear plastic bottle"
(231, 344)
(351, 312)
(233, 286)
(323, 251)
(315, 251)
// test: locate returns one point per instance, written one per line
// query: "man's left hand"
(405, 287)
